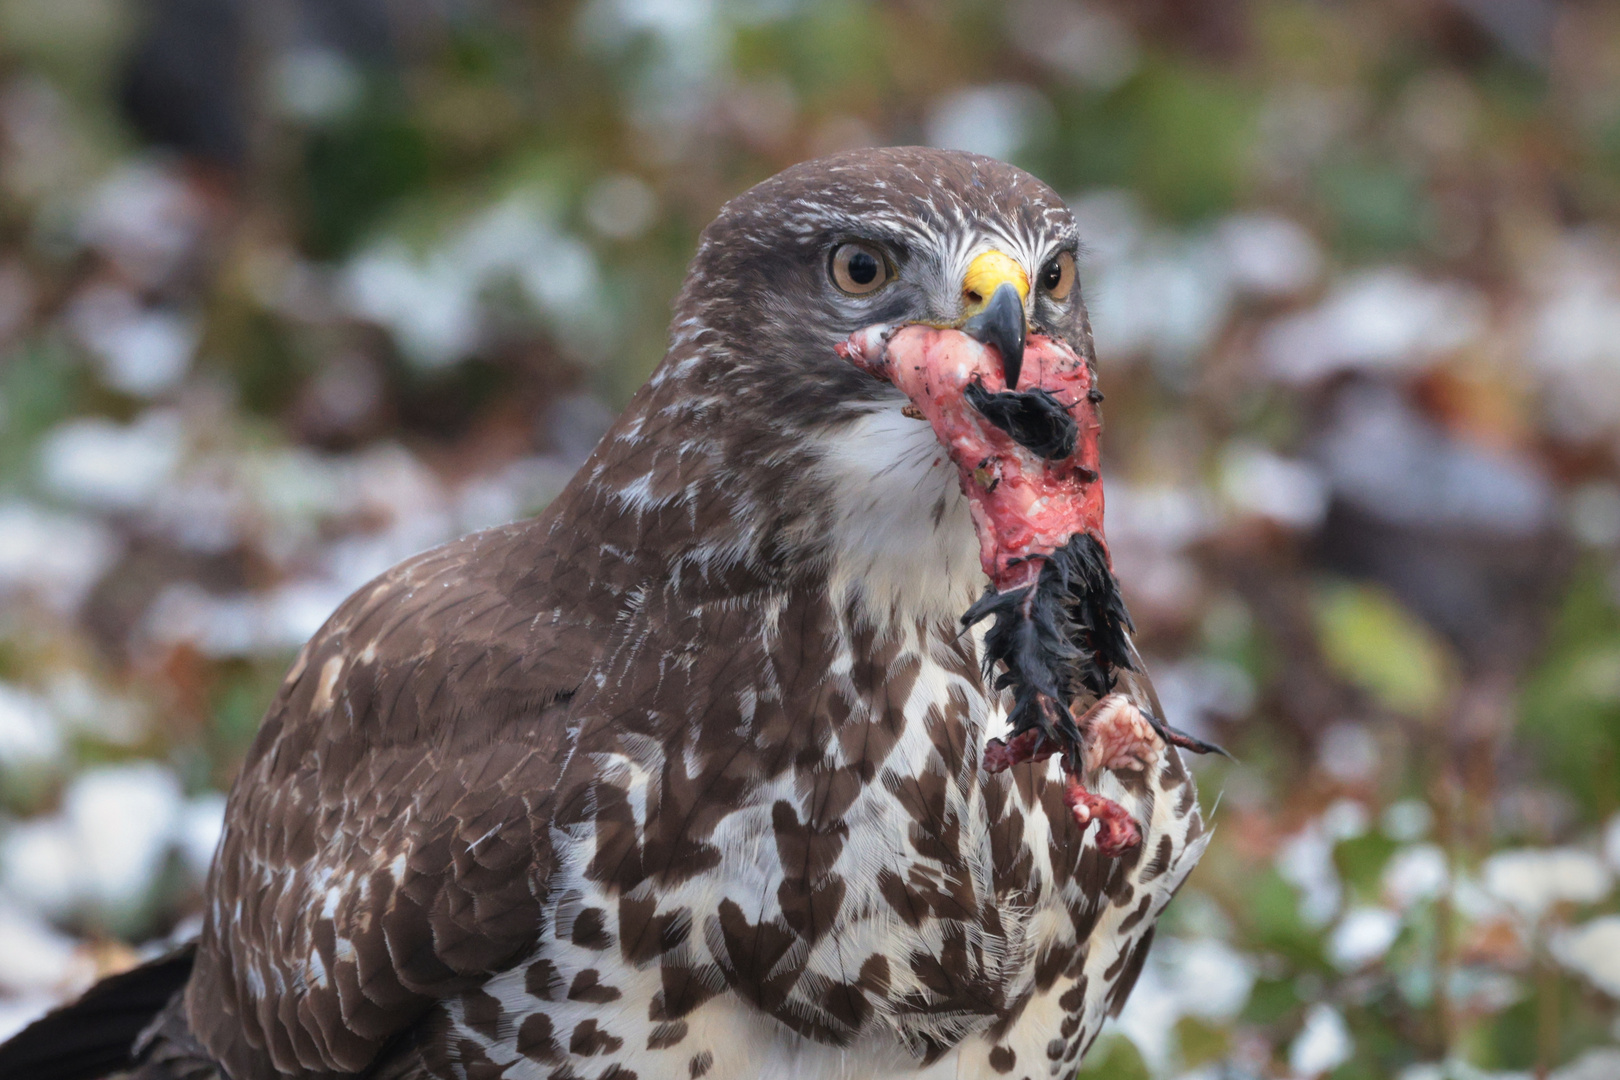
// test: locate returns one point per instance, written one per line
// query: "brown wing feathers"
(389, 840)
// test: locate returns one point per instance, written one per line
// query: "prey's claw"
(1177, 737)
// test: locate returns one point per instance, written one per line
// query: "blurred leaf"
(1374, 643)
(1270, 910)
(1361, 860)
(1570, 708)
(1201, 1042)
(240, 697)
(355, 170)
(1511, 1039)
(1175, 133)
(1271, 1002)
(40, 384)
(1114, 1058)
(1378, 207)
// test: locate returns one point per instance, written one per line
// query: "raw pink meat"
(1023, 506)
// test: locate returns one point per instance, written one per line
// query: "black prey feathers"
(1056, 639)
(1035, 419)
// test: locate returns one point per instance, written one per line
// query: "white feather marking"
(902, 540)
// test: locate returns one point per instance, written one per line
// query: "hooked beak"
(998, 321)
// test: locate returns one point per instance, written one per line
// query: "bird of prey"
(802, 735)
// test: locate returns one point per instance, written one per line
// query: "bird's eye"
(1057, 276)
(859, 269)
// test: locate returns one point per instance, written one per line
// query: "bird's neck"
(899, 540)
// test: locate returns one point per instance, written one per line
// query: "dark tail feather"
(94, 1035)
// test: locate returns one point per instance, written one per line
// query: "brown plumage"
(682, 778)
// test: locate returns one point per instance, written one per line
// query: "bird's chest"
(877, 875)
(837, 871)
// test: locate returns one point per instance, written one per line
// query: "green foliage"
(1375, 644)
(1570, 708)
(1113, 1058)
(39, 386)
(1174, 133)
(1379, 207)
(355, 171)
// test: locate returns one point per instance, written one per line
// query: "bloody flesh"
(1036, 500)
(1023, 507)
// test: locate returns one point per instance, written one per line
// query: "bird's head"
(895, 235)
(977, 255)
(951, 278)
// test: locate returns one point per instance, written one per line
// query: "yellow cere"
(988, 271)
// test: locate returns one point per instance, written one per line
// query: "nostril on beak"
(1001, 324)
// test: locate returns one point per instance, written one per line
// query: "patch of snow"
(997, 121)
(1268, 255)
(1593, 514)
(621, 206)
(1362, 936)
(1264, 484)
(39, 864)
(1112, 224)
(1415, 873)
(1199, 977)
(1386, 319)
(17, 1013)
(313, 84)
(29, 733)
(1611, 842)
(1406, 820)
(35, 956)
(1348, 752)
(1322, 1045)
(433, 303)
(202, 821)
(1167, 298)
(83, 707)
(243, 624)
(103, 849)
(1214, 979)
(1575, 333)
(1456, 1070)
(53, 556)
(1593, 951)
(1162, 515)
(109, 465)
(1085, 41)
(1598, 1063)
(146, 218)
(1379, 453)
(123, 818)
(1197, 690)
(1532, 880)
(1345, 819)
(139, 350)
(1305, 861)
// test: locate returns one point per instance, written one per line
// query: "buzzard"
(801, 735)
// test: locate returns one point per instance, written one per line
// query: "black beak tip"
(1001, 324)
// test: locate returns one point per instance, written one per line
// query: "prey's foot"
(1119, 736)
(1031, 745)
(1116, 832)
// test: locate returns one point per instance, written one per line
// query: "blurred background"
(291, 289)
